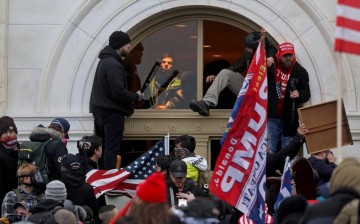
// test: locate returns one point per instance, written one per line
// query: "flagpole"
(167, 144)
(338, 57)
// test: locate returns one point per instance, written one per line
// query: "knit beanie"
(7, 123)
(56, 190)
(291, 205)
(118, 39)
(153, 189)
(346, 175)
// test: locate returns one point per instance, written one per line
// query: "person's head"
(56, 190)
(21, 210)
(286, 55)
(63, 216)
(8, 132)
(321, 155)
(24, 173)
(291, 207)
(106, 213)
(201, 210)
(150, 204)
(167, 62)
(162, 164)
(252, 41)
(178, 170)
(61, 125)
(71, 162)
(136, 54)
(89, 214)
(91, 146)
(346, 174)
(184, 146)
(120, 42)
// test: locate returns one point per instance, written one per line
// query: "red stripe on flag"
(346, 46)
(348, 23)
(351, 3)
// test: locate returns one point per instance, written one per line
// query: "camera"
(182, 202)
(84, 145)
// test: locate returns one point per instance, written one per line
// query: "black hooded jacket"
(110, 88)
(78, 191)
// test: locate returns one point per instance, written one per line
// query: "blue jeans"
(274, 132)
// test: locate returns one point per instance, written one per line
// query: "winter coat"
(325, 212)
(78, 191)
(110, 88)
(289, 120)
(55, 149)
(8, 168)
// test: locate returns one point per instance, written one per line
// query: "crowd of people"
(40, 182)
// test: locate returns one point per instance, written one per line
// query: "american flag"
(126, 179)
(285, 188)
(347, 36)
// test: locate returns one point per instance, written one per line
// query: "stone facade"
(48, 56)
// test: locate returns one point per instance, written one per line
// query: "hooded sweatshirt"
(194, 165)
(110, 88)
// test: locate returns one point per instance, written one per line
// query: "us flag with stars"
(125, 181)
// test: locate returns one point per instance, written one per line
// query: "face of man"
(124, 50)
(167, 63)
(8, 135)
(179, 182)
(287, 61)
(179, 151)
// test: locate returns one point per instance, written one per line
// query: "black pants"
(109, 125)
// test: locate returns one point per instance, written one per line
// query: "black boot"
(200, 106)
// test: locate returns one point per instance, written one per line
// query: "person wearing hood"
(78, 191)
(8, 156)
(111, 100)
(288, 88)
(185, 150)
(55, 138)
(231, 77)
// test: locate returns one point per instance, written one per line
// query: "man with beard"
(111, 101)
(8, 156)
(231, 77)
(288, 88)
(181, 190)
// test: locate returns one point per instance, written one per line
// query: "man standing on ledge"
(111, 101)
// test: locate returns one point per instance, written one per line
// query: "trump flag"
(347, 35)
(239, 174)
(126, 180)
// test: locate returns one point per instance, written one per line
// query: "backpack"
(34, 152)
(204, 179)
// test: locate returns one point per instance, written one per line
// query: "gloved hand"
(141, 95)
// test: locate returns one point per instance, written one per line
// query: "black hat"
(7, 123)
(251, 40)
(178, 168)
(71, 162)
(118, 39)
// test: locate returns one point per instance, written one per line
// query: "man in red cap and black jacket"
(288, 88)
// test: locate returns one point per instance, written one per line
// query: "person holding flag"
(239, 173)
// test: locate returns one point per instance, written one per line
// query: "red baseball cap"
(286, 48)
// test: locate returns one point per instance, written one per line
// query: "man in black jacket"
(110, 100)
(288, 87)
(231, 76)
(8, 155)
